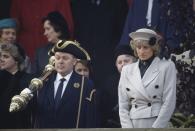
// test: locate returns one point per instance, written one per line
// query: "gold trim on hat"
(51, 51)
(66, 43)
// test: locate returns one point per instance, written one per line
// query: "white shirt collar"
(67, 77)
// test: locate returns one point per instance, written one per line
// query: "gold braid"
(61, 45)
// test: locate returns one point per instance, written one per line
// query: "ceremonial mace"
(19, 102)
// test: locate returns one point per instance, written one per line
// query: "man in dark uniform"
(67, 99)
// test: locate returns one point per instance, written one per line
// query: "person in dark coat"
(74, 106)
(148, 14)
(12, 80)
(98, 27)
(56, 28)
(109, 103)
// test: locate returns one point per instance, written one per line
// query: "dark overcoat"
(11, 85)
(98, 28)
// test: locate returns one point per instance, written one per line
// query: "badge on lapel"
(76, 85)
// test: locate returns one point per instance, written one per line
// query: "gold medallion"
(76, 85)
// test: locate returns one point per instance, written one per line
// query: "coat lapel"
(151, 73)
(136, 81)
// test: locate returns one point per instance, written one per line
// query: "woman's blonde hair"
(14, 52)
(155, 47)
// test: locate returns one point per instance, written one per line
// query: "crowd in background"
(102, 27)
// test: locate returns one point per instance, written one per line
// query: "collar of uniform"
(67, 77)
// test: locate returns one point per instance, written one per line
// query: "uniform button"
(136, 106)
(154, 97)
(149, 104)
(156, 86)
(127, 89)
(132, 99)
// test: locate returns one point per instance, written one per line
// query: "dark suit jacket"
(41, 58)
(66, 114)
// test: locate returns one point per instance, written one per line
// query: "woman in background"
(13, 80)
(55, 29)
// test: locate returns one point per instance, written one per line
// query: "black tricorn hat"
(71, 47)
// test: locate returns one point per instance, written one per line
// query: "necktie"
(59, 93)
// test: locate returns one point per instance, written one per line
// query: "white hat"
(144, 34)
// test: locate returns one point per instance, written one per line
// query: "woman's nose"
(45, 33)
(141, 50)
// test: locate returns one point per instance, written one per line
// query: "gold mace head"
(52, 60)
(49, 68)
(17, 103)
(36, 84)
